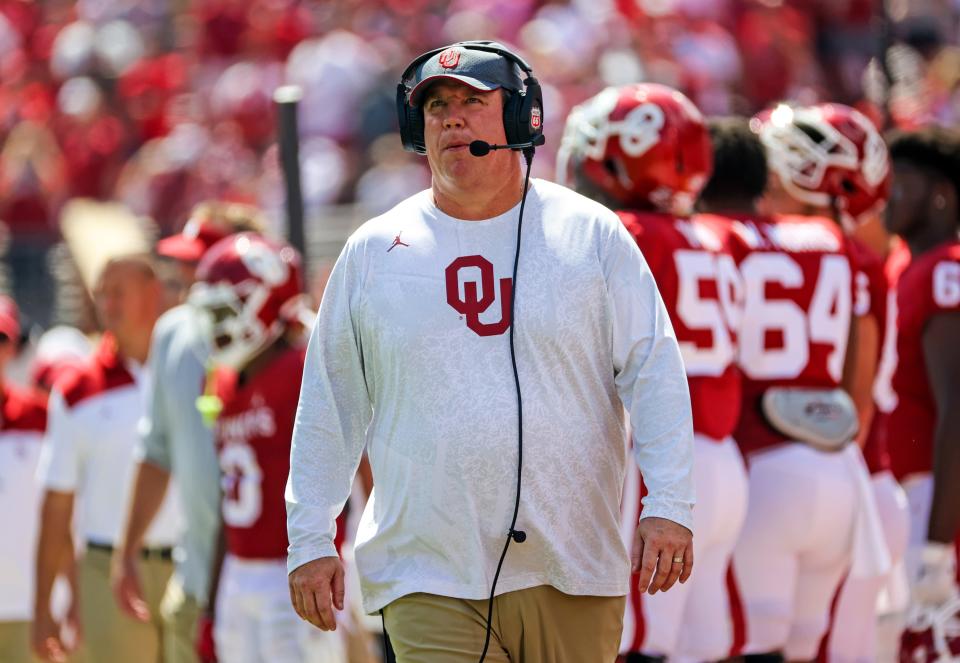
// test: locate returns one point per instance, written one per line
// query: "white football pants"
(692, 619)
(795, 546)
(256, 623)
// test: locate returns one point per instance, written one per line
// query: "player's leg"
(658, 617)
(919, 491)
(706, 631)
(180, 613)
(284, 637)
(235, 629)
(833, 501)
(775, 529)
(858, 624)
(155, 573)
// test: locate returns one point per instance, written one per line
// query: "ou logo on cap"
(450, 58)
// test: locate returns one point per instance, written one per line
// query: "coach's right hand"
(316, 588)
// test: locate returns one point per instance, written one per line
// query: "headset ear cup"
(531, 112)
(410, 119)
(402, 118)
(512, 107)
(415, 124)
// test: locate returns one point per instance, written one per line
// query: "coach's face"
(455, 115)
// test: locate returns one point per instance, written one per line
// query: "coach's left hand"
(658, 549)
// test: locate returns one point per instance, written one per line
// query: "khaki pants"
(535, 625)
(180, 613)
(110, 635)
(15, 643)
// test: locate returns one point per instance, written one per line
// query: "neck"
(135, 346)
(728, 206)
(931, 235)
(478, 203)
(260, 361)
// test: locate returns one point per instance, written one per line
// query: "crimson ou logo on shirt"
(477, 300)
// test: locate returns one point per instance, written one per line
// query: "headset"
(522, 110)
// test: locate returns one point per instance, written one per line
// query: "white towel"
(870, 554)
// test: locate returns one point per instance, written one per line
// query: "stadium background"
(159, 105)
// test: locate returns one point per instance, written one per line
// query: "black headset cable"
(514, 534)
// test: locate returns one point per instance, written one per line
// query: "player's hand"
(316, 588)
(45, 639)
(655, 547)
(205, 645)
(125, 582)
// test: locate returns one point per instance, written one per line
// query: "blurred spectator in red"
(60, 350)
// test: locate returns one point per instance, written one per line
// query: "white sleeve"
(332, 417)
(651, 382)
(60, 459)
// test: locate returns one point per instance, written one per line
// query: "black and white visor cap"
(481, 70)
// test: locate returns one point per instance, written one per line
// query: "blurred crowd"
(161, 105)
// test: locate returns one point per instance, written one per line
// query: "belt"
(163, 554)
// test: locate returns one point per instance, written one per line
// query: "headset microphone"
(481, 148)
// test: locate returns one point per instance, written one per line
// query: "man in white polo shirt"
(89, 455)
(23, 417)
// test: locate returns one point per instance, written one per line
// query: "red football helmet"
(250, 288)
(826, 153)
(644, 145)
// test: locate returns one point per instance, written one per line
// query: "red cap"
(9, 318)
(197, 236)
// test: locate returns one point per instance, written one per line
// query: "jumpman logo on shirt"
(397, 242)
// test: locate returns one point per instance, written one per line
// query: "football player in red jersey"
(805, 490)
(924, 420)
(829, 160)
(644, 149)
(251, 287)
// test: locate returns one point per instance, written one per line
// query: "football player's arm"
(333, 412)
(942, 358)
(652, 384)
(860, 369)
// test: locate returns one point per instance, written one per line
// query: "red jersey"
(926, 286)
(870, 300)
(253, 438)
(798, 278)
(700, 287)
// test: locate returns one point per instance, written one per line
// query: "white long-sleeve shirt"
(410, 357)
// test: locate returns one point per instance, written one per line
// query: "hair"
(739, 161)
(933, 147)
(143, 263)
(238, 217)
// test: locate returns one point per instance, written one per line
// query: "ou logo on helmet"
(263, 262)
(474, 302)
(640, 129)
